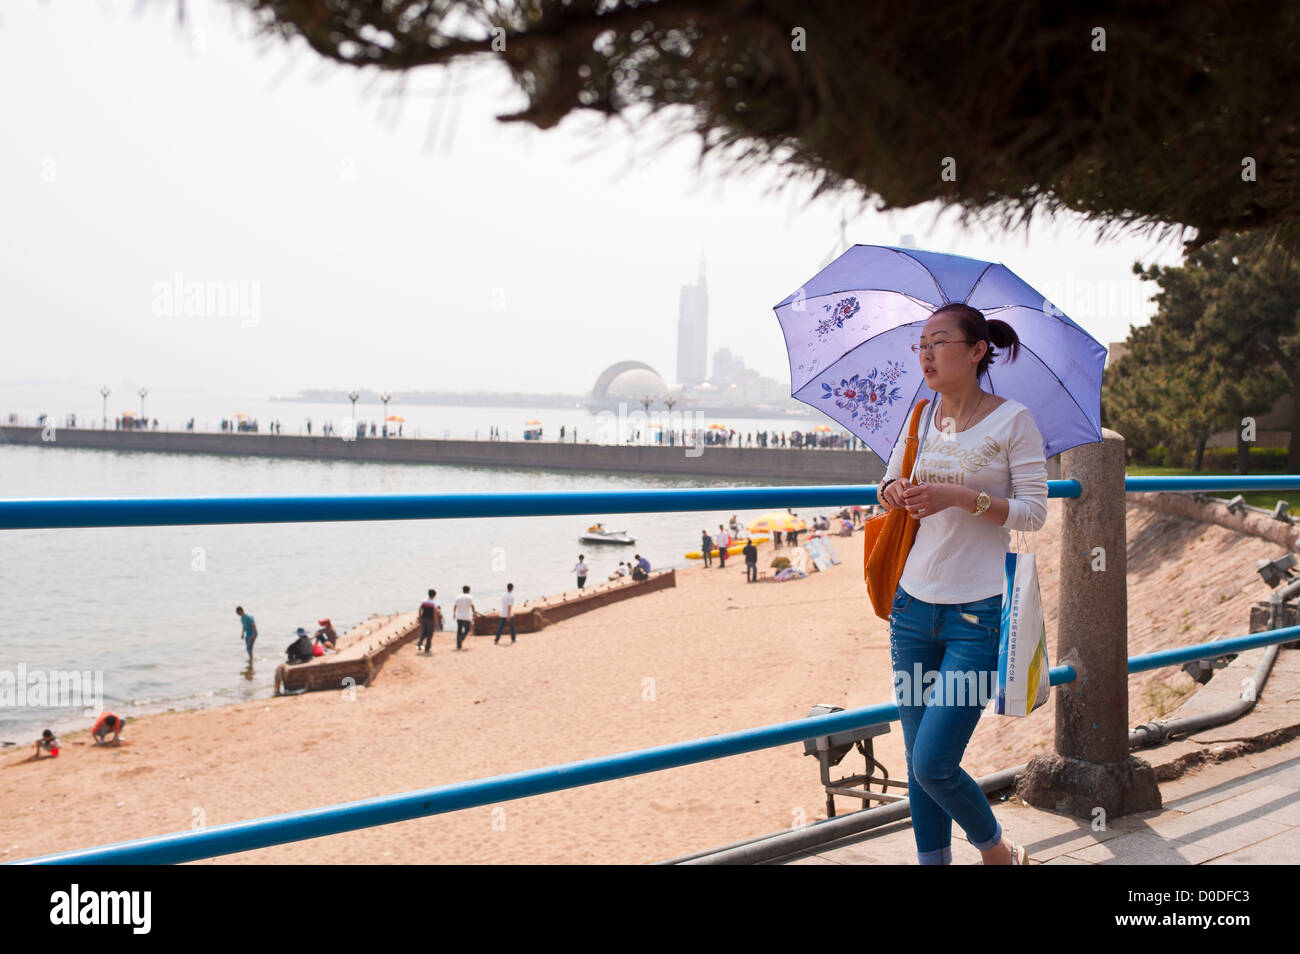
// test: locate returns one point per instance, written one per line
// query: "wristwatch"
(982, 503)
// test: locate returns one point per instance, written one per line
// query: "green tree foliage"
(1223, 346)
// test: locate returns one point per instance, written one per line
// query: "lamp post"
(385, 397)
(143, 393)
(352, 396)
(104, 392)
(646, 400)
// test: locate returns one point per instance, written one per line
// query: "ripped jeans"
(957, 645)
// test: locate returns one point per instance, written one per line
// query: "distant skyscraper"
(693, 332)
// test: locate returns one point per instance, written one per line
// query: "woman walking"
(980, 472)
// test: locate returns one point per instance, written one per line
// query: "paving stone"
(1281, 849)
(1144, 848)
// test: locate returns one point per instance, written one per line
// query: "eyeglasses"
(929, 348)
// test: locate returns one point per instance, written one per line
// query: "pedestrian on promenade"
(249, 631)
(944, 620)
(751, 562)
(706, 547)
(465, 615)
(580, 568)
(724, 541)
(428, 621)
(507, 612)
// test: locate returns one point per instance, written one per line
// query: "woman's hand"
(893, 494)
(925, 500)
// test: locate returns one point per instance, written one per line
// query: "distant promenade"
(796, 465)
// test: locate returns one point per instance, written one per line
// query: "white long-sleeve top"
(959, 557)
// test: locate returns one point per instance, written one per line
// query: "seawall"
(797, 466)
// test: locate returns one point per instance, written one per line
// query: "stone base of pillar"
(1073, 787)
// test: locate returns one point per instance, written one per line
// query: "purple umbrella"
(850, 329)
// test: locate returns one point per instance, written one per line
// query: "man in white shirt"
(507, 612)
(580, 568)
(465, 614)
(723, 540)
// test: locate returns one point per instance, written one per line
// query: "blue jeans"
(501, 624)
(957, 643)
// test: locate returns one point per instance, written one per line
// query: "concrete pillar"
(1092, 767)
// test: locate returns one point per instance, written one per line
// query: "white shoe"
(1019, 855)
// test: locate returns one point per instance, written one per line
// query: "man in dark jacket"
(751, 562)
(706, 546)
(300, 650)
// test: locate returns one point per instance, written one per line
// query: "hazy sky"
(394, 242)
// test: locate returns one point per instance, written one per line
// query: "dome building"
(629, 382)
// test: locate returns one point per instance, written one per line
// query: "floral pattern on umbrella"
(869, 395)
(840, 312)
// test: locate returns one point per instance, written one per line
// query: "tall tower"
(840, 247)
(693, 332)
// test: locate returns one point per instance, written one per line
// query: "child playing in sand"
(49, 742)
(106, 723)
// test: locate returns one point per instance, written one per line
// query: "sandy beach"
(713, 655)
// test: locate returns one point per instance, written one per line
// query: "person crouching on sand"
(49, 742)
(106, 723)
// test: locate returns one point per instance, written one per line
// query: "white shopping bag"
(1023, 680)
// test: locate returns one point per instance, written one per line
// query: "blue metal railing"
(175, 511)
(62, 513)
(313, 823)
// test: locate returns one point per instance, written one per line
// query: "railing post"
(1092, 768)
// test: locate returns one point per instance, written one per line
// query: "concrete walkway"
(1231, 796)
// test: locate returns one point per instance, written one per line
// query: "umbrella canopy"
(530, 423)
(822, 427)
(241, 414)
(773, 521)
(395, 417)
(717, 427)
(849, 331)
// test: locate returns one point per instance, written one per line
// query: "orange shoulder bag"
(888, 538)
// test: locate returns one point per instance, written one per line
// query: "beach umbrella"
(395, 417)
(241, 414)
(849, 332)
(774, 521)
(531, 423)
(717, 427)
(822, 427)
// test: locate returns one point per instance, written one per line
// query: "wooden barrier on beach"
(361, 652)
(541, 613)
(363, 649)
